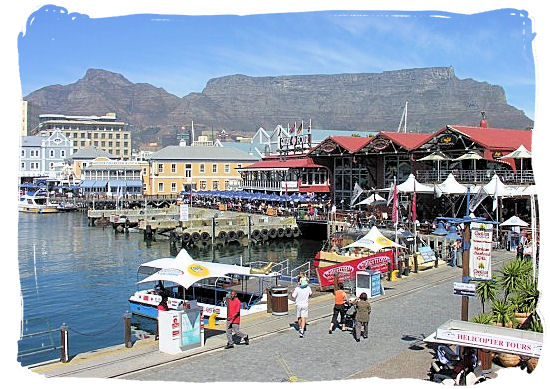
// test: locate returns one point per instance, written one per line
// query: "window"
(102, 143)
(125, 136)
(51, 165)
(239, 165)
(215, 168)
(226, 183)
(125, 144)
(215, 185)
(110, 136)
(23, 153)
(201, 168)
(22, 165)
(75, 143)
(110, 143)
(75, 134)
(144, 171)
(187, 170)
(173, 168)
(144, 187)
(95, 135)
(173, 187)
(52, 153)
(62, 153)
(202, 185)
(161, 168)
(125, 152)
(96, 143)
(82, 143)
(83, 135)
(103, 135)
(118, 136)
(161, 187)
(227, 168)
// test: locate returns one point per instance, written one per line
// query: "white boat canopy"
(185, 271)
(374, 241)
(514, 221)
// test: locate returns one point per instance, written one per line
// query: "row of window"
(202, 168)
(34, 165)
(202, 186)
(111, 151)
(96, 143)
(83, 135)
(36, 153)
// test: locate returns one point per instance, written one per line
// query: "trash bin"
(279, 300)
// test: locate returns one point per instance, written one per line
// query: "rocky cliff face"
(362, 101)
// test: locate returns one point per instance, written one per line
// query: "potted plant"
(483, 318)
(502, 313)
(511, 275)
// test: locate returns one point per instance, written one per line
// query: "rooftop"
(204, 153)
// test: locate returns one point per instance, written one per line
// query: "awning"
(488, 337)
(134, 183)
(117, 183)
(87, 184)
(99, 184)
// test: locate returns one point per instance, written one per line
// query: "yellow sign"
(383, 241)
(198, 270)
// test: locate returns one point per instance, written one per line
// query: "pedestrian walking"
(519, 251)
(234, 320)
(362, 317)
(301, 296)
(339, 298)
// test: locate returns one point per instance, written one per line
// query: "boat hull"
(31, 209)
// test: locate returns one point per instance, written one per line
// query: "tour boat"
(37, 202)
(183, 279)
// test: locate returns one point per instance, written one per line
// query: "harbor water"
(82, 276)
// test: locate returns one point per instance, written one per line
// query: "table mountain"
(240, 104)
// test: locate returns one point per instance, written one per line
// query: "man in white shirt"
(301, 298)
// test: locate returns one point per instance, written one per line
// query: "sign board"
(295, 142)
(426, 253)
(346, 270)
(369, 282)
(514, 345)
(463, 289)
(480, 251)
(184, 212)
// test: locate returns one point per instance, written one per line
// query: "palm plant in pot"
(502, 313)
(511, 276)
(486, 291)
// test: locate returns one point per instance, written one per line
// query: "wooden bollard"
(127, 330)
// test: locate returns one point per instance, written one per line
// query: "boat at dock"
(183, 280)
(37, 202)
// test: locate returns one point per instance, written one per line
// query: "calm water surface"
(82, 276)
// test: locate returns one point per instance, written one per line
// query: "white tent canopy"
(451, 186)
(514, 221)
(412, 185)
(497, 188)
(185, 271)
(374, 241)
(371, 199)
(520, 153)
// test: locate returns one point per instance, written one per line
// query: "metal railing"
(298, 269)
(525, 177)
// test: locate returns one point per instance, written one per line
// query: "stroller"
(349, 315)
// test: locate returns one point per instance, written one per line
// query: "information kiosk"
(180, 330)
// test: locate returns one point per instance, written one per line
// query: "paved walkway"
(412, 307)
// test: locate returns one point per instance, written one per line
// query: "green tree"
(486, 290)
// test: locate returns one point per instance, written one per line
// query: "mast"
(403, 119)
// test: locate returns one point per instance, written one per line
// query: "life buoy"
(295, 232)
(205, 236)
(240, 234)
(288, 232)
(265, 233)
(231, 235)
(222, 235)
(186, 237)
(273, 233)
(256, 234)
(280, 232)
(195, 236)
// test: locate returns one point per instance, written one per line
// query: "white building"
(43, 155)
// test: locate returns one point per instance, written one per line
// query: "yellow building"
(177, 168)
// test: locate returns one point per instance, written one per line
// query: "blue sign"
(427, 253)
(376, 285)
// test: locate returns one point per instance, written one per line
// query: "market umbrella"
(437, 156)
(514, 221)
(371, 199)
(470, 155)
(520, 153)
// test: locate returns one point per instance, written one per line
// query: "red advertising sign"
(346, 270)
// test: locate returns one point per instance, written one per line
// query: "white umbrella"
(451, 186)
(412, 185)
(437, 156)
(470, 155)
(520, 153)
(513, 222)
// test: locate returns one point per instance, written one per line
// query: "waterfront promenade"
(413, 306)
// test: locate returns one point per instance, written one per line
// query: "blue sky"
(181, 53)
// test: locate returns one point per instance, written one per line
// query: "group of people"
(362, 307)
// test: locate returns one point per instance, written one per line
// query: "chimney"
(483, 122)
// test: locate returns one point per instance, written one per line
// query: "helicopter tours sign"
(481, 240)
